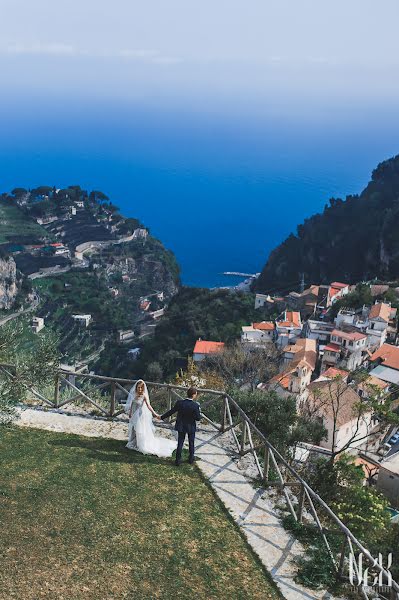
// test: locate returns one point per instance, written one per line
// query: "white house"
(346, 349)
(337, 291)
(124, 335)
(289, 328)
(299, 363)
(258, 333)
(318, 330)
(379, 318)
(388, 478)
(157, 314)
(353, 318)
(204, 348)
(82, 319)
(262, 299)
(37, 324)
(61, 251)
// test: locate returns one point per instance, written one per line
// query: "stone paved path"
(254, 514)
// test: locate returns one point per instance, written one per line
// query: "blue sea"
(219, 188)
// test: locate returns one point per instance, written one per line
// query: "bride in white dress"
(141, 434)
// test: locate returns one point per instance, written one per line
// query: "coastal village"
(328, 360)
(330, 364)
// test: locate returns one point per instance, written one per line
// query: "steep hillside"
(83, 257)
(352, 240)
(9, 282)
(17, 227)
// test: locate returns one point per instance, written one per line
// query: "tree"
(194, 376)
(42, 190)
(154, 372)
(277, 418)
(18, 192)
(32, 367)
(238, 364)
(336, 399)
(361, 508)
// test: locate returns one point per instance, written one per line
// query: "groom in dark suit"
(188, 413)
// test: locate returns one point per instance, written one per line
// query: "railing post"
(57, 390)
(169, 402)
(301, 503)
(243, 436)
(340, 571)
(223, 415)
(112, 405)
(267, 464)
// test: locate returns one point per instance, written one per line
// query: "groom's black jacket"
(188, 412)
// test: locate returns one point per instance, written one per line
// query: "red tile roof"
(303, 350)
(338, 285)
(332, 372)
(371, 381)
(291, 319)
(349, 335)
(333, 292)
(380, 310)
(282, 379)
(264, 326)
(389, 356)
(332, 348)
(206, 347)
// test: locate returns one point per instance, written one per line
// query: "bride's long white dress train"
(141, 434)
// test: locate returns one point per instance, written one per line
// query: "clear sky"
(159, 50)
(202, 118)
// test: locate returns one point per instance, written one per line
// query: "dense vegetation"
(16, 227)
(193, 313)
(34, 360)
(361, 508)
(352, 240)
(109, 283)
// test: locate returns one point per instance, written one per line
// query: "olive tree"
(23, 366)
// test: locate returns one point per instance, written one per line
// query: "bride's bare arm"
(148, 403)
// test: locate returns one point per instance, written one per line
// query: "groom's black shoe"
(177, 463)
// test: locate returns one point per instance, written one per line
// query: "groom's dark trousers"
(188, 413)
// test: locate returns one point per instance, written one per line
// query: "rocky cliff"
(9, 285)
(352, 240)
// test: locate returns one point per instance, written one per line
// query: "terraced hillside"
(16, 227)
(82, 228)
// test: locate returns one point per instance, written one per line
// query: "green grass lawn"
(13, 222)
(87, 519)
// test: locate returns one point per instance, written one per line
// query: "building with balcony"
(346, 350)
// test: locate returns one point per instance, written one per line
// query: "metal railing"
(225, 416)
